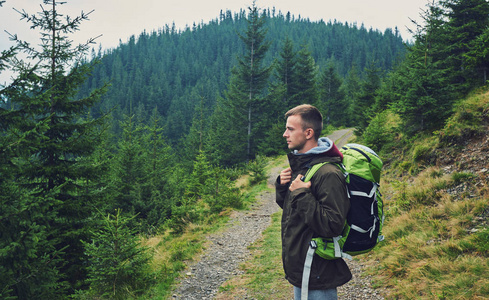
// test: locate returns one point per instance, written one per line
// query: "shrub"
(257, 170)
(467, 119)
(381, 132)
(118, 266)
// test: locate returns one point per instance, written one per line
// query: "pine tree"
(129, 168)
(427, 92)
(306, 72)
(21, 240)
(332, 98)
(244, 103)
(118, 265)
(283, 95)
(52, 166)
(363, 107)
(159, 166)
(477, 56)
(286, 77)
(466, 21)
(28, 256)
(351, 88)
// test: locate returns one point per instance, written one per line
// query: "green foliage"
(466, 21)
(363, 106)
(29, 261)
(286, 85)
(332, 97)
(381, 133)
(459, 177)
(50, 137)
(183, 214)
(208, 190)
(158, 70)
(225, 195)
(244, 105)
(441, 65)
(118, 265)
(273, 142)
(480, 241)
(467, 119)
(257, 170)
(351, 87)
(306, 76)
(140, 171)
(422, 152)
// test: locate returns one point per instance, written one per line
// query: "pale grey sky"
(119, 19)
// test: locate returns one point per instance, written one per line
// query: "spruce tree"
(332, 98)
(51, 165)
(477, 57)
(129, 168)
(244, 103)
(28, 257)
(159, 166)
(366, 99)
(351, 88)
(306, 72)
(466, 21)
(283, 95)
(118, 266)
(427, 91)
(286, 77)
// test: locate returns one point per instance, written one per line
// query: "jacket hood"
(325, 146)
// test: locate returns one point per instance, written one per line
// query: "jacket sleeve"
(280, 192)
(324, 206)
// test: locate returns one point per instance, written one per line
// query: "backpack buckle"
(313, 244)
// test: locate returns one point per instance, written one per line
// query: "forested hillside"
(148, 138)
(173, 71)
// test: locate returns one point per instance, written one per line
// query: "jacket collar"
(299, 162)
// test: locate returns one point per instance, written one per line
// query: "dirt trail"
(228, 249)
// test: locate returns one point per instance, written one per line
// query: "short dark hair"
(311, 118)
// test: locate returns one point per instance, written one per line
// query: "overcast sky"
(119, 19)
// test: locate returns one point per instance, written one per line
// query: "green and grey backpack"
(363, 226)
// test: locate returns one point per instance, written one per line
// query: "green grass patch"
(467, 119)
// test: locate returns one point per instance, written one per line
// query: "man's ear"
(309, 133)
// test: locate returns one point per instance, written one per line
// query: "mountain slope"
(437, 198)
(174, 71)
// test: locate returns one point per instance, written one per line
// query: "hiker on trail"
(317, 208)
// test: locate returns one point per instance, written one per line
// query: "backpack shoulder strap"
(312, 170)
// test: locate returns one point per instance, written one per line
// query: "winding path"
(227, 249)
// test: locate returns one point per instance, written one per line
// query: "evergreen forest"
(101, 147)
(181, 75)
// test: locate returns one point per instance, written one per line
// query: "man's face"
(295, 136)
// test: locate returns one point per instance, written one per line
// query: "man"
(316, 208)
